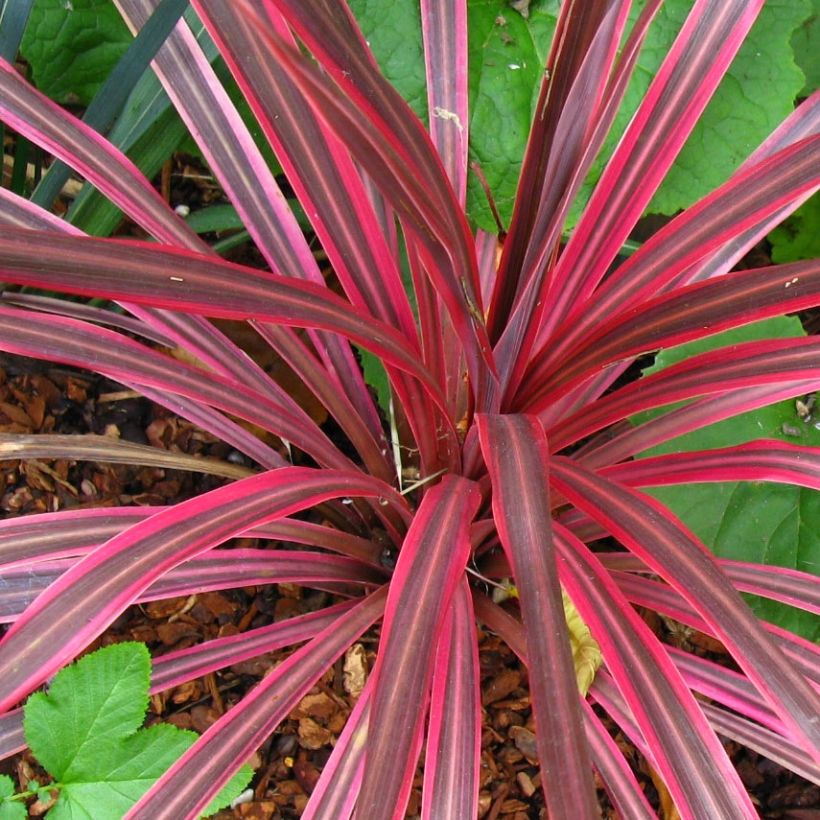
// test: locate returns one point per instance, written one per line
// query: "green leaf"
(72, 45)
(756, 94)
(10, 809)
(86, 733)
(806, 45)
(507, 58)
(799, 236)
(507, 55)
(767, 523)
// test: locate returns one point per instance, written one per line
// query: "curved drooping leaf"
(188, 786)
(91, 594)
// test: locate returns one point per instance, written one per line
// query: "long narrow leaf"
(91, 594)
(650, 531)
(517, 457)
(430, 565)
(686, 752)
(113, 451)
(451, 765)
(189, 785)
(702, 52)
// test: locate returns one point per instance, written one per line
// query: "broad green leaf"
(507, 58)
(393, 31)
(90, 706)
(507, 55)
(86, 733)
(771, 524)
(10, 809)
(72, 45)
(806, 45)
(799, 236)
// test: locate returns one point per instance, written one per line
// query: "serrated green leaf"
(122, 775)
(90, 706)
(10, 809)
(799, 236)
(767, 523)
(86, 733)
(72, 45)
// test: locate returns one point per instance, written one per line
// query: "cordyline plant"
(505, 409)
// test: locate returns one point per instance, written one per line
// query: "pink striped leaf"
(518, 461)
(217, 570)
(194, 661)
(430, 566)
(606, 756)
(410, 178)
(747, 197)
(619, 779)
(451, 764)
(567, 116)
(803, 122)
(763, 460)
(698, 59)
(803, 654)
(750, 364)
(613, 95)
(337, 789)
(724, 685)
(55, 338)
(190, 784)
(318, 167)
(687, 754)
(66, 533)
(771, 745)
(46, 124)
(629, 440)
(444, 29)
(693, 312)
(650, 531)
(78, 607)
(12, 738)
(185, 281)
(242, 171)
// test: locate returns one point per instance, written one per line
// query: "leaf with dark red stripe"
(763, 460)
(444, 28)
(518, 460)
(190, 784)
(746, 198)
(696, 311)
(78, 607)
(649, 530)
(695, 64)
(451, 763)
(685, 750)
(430, 566)
(740, 366)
